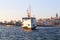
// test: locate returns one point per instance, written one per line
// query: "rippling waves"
(17, 33)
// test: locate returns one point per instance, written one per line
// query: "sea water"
(41, 33)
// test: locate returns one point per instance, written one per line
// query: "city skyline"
(16, 9)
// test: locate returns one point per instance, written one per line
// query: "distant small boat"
(29, 23)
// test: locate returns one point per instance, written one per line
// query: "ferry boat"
(29, 23)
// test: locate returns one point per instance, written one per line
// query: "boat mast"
(29, 12)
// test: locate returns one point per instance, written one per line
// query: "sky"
(16, 9)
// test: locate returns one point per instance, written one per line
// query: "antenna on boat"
(29, 11)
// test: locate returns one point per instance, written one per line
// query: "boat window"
(28, 24)
(25, 19)
(33, 25)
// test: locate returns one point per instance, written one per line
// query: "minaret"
(29, 12)
(57, 15)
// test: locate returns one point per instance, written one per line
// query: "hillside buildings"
(50, 21)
